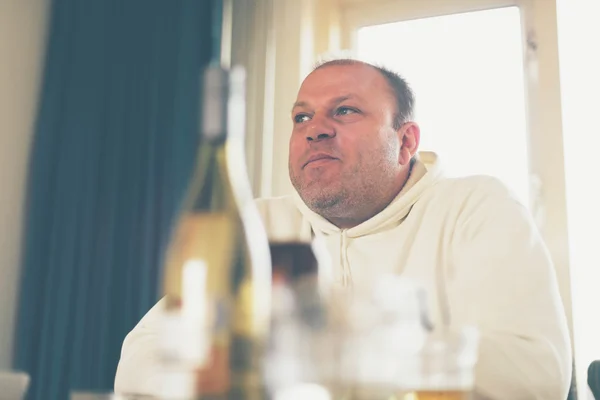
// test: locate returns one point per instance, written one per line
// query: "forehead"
(333, 81)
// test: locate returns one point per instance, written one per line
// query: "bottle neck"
(213, 190)
(222, 132)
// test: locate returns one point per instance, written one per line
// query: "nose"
(319, 130)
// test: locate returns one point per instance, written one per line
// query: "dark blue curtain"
(113, 150)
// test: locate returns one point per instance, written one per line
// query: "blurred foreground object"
(13, 385)
(217, 274)
(369, 342)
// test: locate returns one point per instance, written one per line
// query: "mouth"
(318, 158)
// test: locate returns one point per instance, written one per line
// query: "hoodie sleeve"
(137, 368)
(503, 280)
(136, 372)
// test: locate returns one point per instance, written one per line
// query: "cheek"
(356, 145)
(388, 145)
(372, 150)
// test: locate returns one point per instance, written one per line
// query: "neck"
(366, 208)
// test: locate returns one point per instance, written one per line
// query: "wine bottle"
(217, 276)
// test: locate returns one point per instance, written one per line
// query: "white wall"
(22, 43)
(252, 46)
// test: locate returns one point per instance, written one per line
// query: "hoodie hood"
(425, 172)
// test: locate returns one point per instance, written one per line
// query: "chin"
(318, 200)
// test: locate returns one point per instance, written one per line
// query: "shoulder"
(475, 191)
(475, 202)
(475, 186)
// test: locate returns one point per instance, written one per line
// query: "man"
(381, 207)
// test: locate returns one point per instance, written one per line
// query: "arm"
(136, 372)
(503, 281)
(137, 369)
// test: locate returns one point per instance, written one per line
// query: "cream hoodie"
(470, 244)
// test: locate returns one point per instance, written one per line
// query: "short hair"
(401, 91)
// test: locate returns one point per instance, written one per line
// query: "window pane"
(467, 74)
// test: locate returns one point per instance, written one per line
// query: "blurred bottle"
(300, 272)
(217, 277)
(293, 259)
(304, 268)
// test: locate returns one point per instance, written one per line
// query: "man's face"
(344, 150)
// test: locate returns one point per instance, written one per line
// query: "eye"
(300, 118)
(345, 111)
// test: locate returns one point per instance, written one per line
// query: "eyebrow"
(336, 101)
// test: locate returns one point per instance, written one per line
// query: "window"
(467, 74)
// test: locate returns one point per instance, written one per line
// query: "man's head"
(352, 141)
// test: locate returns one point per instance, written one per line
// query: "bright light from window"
(467, 74)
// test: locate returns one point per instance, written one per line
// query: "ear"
(410, 136)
